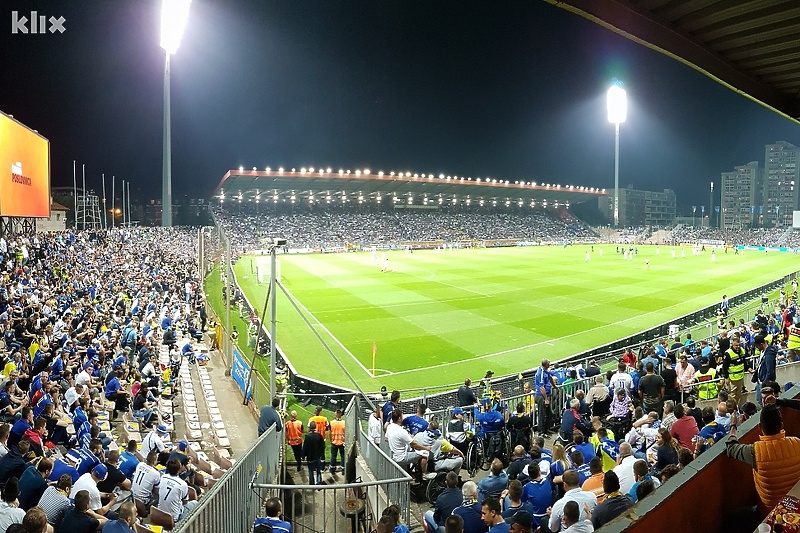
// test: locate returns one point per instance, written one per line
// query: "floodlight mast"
(174, 14)
(617, 113)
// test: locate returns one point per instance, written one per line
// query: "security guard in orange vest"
(321, 421)
(337, 440)
(294, 435)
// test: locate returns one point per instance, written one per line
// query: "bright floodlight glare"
(617, 104)
(174, 14)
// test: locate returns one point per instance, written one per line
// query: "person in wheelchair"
(572, 421)
(489, 425)
(621, 409)
(457, 430)
(444, 456)
(519, 426)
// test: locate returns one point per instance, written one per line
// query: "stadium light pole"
(711, 205)
(617, 105)
(174, 14)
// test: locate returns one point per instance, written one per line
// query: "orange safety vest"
(322, 424)
(337, 432)
(294, 432)
(778, 463)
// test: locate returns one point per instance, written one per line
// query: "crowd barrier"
(231, 504)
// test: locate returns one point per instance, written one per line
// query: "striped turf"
(438, 317)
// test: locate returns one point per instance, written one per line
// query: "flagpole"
(84, 195)
(75, 194)
(105, 210)
(113, 201)
(374, 352)
(123, 203)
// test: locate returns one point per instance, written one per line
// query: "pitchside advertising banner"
(240, 370)
(24, 171)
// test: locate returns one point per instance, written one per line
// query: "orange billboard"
(24, 171)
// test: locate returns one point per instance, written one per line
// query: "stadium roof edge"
(236, 182)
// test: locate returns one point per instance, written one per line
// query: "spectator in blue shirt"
(116, 393)
(128, 460)
(538, 492)
(543, 386)
(470, 510)
(493, 485)
(416, 423)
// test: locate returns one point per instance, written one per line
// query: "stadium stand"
(333, 229)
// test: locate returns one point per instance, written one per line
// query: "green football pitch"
(434, 318)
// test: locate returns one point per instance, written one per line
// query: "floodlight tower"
(617, 112)
(174, 14)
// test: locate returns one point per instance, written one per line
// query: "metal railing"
(348, 506)
(231, 504)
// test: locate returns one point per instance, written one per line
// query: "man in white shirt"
(375, 426)
(146, 479)
(173, 495)
(403, 446)
(621, 380)
(153, 442)
(624, 469)
(88, 482)
(573, 493)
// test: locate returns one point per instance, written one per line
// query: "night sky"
(512, 90)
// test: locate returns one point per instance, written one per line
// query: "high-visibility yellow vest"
(793, 343)
(736, 367)
(707, 389)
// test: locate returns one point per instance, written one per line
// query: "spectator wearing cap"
(155, 441)
(88, 482)
(457, 430)
(81, 518)
(705, 377)
(766, 363)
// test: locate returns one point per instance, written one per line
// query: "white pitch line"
(331, 335)
(512, 350)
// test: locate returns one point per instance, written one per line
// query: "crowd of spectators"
(336, 229)
(733, 237)
(623, 433)
(84, 317)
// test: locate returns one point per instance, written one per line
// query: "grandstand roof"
(250, 184)
(752, 47)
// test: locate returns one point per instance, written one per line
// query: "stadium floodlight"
(174, 14)
(617, 104)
